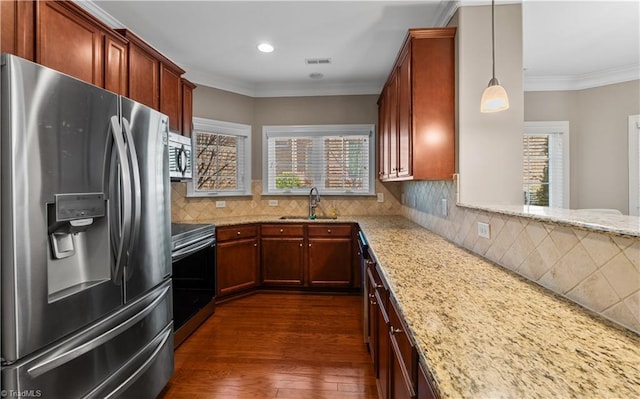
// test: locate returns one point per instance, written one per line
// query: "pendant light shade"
(494, 98)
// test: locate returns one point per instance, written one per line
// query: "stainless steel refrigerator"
(85, 239)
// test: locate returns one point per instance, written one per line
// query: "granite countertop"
(485, 332)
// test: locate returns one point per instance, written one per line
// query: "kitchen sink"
(307, 217)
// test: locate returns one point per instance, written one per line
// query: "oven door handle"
(184, 252)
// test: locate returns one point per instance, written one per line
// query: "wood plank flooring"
(277, 345)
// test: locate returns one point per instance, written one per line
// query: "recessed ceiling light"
(265, 47)
(316, 75)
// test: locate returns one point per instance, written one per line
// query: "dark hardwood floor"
(277, 345)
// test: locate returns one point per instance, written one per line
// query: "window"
(546, 164)
(337, 159)
(222, 159)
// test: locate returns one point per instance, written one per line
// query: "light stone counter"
(485, 332)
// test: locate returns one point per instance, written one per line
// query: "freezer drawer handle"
(164, 337)
(65, 357)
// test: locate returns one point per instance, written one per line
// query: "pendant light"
(494, 98)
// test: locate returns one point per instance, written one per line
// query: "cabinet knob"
(300, 245)
(309, 244)
(394, 330)
(373, 302)
(329, 231)
(372, 296)
(255, 245)
(282, 230)
(238, 233)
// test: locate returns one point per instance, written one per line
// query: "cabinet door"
(187, 107)
(372, 321)
(425, 389)
(392, 101)
(68, 42)
(237, 265)
(400, 387)
(171, 97)
(143, 77)
(384, 355)
(330, 262)
(405, 152)
(115, 65)
(17, 28)
(383, 137)
(282, 261)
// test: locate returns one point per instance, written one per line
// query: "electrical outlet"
(484, 230)
(380, 197)
(443, 207)
(221, 204)
(273, 202)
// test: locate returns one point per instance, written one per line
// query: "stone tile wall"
(185, 209)
(598, 271)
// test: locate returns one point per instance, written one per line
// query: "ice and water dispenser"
(78, 242)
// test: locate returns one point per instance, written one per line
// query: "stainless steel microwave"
(180, 157)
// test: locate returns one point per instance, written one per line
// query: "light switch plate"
(380, 197)
(484, 230)
(273, 202)
(221, 204)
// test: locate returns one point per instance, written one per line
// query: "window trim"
(232, 129)
(318, 131)
(562, 127)
(634, 160)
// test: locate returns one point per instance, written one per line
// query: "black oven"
(194, 276)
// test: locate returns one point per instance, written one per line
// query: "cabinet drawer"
(407, 353)
(236, 232)
(329, 230)
(286, 230)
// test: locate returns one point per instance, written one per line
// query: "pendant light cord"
(493, 40)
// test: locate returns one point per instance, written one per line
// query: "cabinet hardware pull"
(281, 230)
(377, 286)
(394, 330)
(255, 245)
(238, 233)
(373, 302)
(309, 244)
(329, 231)
(300, 245)
(372, 296)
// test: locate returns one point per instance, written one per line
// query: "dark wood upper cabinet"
(17, 28)
(187, 107)
(171, 96)
(116, 64)
(154, 80)
(417, 109)
(67, 40)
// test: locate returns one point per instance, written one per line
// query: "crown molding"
(99, 13)
(584, 81)
(446, 10)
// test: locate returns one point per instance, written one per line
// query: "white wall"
(489, 145)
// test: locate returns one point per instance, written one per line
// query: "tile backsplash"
(185, 209)
(596, 270)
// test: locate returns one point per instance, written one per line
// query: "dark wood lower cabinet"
(330, 255)
(238, 260)
(425, 388)
(384, 350)
(282, 249)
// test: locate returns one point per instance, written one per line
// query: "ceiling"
(216, 41)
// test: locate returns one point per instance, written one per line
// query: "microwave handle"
(182, 159)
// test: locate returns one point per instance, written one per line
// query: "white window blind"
(337, 159)
(222, 159)
(546, 164)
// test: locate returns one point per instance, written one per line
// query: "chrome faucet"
(313, 202)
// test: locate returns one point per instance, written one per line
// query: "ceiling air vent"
(318, 61)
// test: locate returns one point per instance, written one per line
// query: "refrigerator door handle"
(137, 187)
(123, 236)
(159, 343)
(58, 360)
